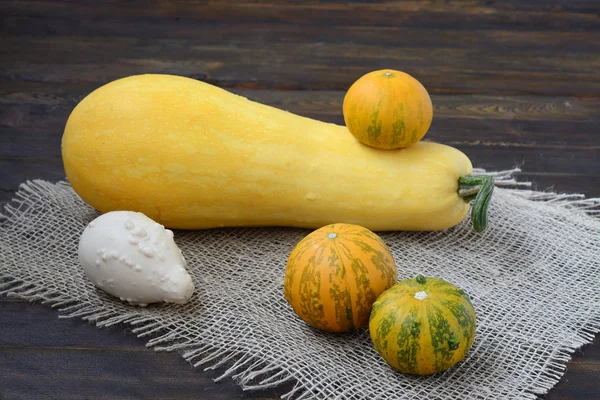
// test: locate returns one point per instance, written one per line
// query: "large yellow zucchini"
(193, 156)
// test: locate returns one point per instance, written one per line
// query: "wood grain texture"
(451, 47)
(36, 131)
(542, 15)
(68, 359)
(513, 83)
(32, 122)
(329, 102)
(40, 108)
(87, 373)
(17, 316)
(307, 66)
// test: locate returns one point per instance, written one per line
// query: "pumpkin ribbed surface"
(387, 109)
(334, 275)
(422, 325)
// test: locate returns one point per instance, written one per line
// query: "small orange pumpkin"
(335, 274)
(388, 109)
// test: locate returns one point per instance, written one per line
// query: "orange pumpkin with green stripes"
(422, 325)
(387, 109)
(334, 275)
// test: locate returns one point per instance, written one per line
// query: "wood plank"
(74, 374)
(330, 102)
(325, 103)
(27, 93)
(14, 171)
(534, 160)
(32, 123)
(21, 321)
(73, 359)
(431, 14)
(5, 299)
(42, 138)
(79, 372)
(241, 33)
(42, 373)
(60, 59)
(591, 6)
(69, 352)
(547, 182)
(579, 384)
(6, 195)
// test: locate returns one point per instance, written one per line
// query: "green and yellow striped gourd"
(422, 325)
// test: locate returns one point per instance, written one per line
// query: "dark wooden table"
(514, 83)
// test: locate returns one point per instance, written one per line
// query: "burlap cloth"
(534, 276)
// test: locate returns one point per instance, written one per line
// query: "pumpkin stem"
(480, 189)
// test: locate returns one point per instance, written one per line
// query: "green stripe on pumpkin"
(340, 296)
(310, 291)
(407, 341)
(463, 315)
(398, 127)
(381, 262)
(441, 335)
(374, 128)
(365, 296)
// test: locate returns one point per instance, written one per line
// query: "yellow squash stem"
(480, 188)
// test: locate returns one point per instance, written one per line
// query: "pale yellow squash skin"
(192, 156)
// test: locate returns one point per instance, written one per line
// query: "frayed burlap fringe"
(533, 277)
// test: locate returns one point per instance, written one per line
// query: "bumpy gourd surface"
(422, 326)
(334, 275)
(388, 109)
(190, 155)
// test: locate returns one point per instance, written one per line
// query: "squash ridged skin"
(426, 336)
(388, 109)
(334, 275)
(193, 156)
